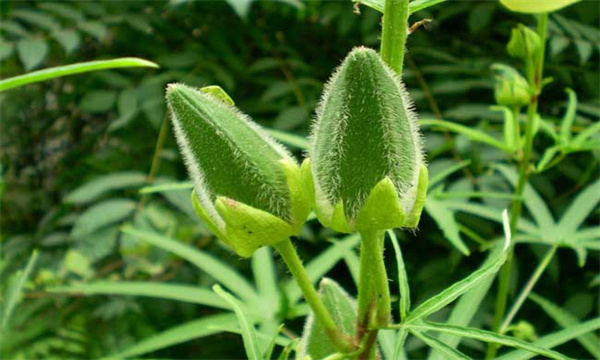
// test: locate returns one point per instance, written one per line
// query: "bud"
(247, 187)
(366, 158)
(524, 43)
(536, 6)
(510, 88)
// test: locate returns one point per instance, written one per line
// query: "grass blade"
(167, 187)
(59, 71)
(447, 351)
(488, 336)
(554, 339)
(590, 342)
(207, 263)
(175, 292)
(15, 291)
(247, 328)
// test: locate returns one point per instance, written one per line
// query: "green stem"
(517, 129)
(374, 306)
(527, 289)
(294, 264)
(535, 83)
(394, 33)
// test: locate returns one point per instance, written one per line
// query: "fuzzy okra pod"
(367, 162)
(247, 188)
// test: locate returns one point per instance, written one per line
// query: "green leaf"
(69, 39)
(464, 310)
(94, 28)
(533, 201)
(578, 211)
(167, 187)
(214, 267)
(321, 264)
(102, 185)
(448, 170)
(32, 53)
(208, 325)
(444, 218)
(488, 336)
(554, 339)
(98, 244)
(476, 279)
(98, 101)
(37, 18)
(447, 351)
(289, 139)
(102, 214)
(66, 11)
(475, 135)
(490, 214)
(185, 293)
(263, 269)
(6, 49)
(78, 68)
(315, 343)
(404, 306)
(569, 118)
(590, 341)
(14, 293)
(585, 134)
(248, 331)
(241, 7)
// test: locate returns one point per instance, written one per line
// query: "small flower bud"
(536, 6)
(524, 43)
(510, 88)
(366, 157)
(247, 187)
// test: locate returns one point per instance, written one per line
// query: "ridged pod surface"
(366, 158)
(247, 186)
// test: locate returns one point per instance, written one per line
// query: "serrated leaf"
(450, 294)
(315, 342)
(36, 18)
(102, 214)
(447, 351)
(490, 337)
(32, 52)
(589, 341)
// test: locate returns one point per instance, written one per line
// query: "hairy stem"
(394, 33)
(535, 83)
(290, 257)
(374, 307)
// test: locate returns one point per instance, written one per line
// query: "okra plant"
(364, 173)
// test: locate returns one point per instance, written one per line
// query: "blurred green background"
(100, 132)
